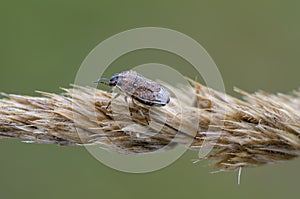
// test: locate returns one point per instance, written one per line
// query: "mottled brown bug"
(139, 88)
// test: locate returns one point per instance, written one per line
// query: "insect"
(139, 88)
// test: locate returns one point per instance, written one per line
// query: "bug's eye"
(114, 80)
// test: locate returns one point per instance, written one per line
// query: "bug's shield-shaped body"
(142, 89)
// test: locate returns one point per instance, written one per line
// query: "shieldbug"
(139, 88)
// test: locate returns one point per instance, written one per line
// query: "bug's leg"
(143, 115)
(134, 105)
(141, 112)
(112, 90)
(126, 99)
(109, 103)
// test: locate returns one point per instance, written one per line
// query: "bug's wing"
(142, 89)
(153, 93)
(144, 93)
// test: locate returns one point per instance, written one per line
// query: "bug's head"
(113, 80)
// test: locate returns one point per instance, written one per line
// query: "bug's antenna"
(102, 80)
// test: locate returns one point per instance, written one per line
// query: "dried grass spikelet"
(264, 128)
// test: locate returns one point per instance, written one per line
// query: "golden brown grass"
(264, 128)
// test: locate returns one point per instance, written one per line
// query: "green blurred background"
(255, 44)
